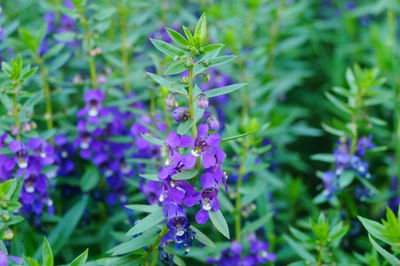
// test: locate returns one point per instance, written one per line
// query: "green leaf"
(64, 229)
(389, 257)
(169, 85)
(134, 244)
(121, 139)
(212, 50)
(224, 90)
(184, 127)
(323, 157)
(200, 32)
(219, 222)
(176, 68)
(346, 178)
(148, 222)
(240, 135)
(220, 60)
(255, 225)
(6, 101)
(178, 38)
(153, 140)
(90, 179)
(143, 208)
(30, 261)
(188, 174)
(153, 177)
(187, 32)
(47, 254)
(337, 103)
(333, 131)
(66, 36)
(374, 228)
(81, 259)
(302, 252)
(200, 236)
(167, 48)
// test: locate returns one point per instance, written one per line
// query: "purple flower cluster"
(28, 161)
(100, 127)
(345, 160)
(187, 154)
(97, 126)
(234, 255)
(66, 24)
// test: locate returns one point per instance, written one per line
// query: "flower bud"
(171, 101)
(206, 77)
(180, 114)
(26, 127)
(203, 101)
(8, 234)
(14, 130)
(213, 123)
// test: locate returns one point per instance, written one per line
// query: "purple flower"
(213, 123)
(179, 228)
(207, 146)
(203, 101)
(94, 100)
(230, 256)
(20, 153)
(259, 251)
(152, 191)
(364, 144)
(180, 114)
(208, 197)
(65, 151)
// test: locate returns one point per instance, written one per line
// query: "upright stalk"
(44, 74)
(16, 111)
(89, 47)
(191, 111)
(124, 46)
(191, 97)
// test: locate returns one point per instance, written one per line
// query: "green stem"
(191, 98)
(191, 113)
(44, 74)
(88, 40)
(155, 244)
(125, 46)
(16, 112)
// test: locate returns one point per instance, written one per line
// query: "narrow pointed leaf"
(224, 90)
(153, 140)
(152, 177)
(200, 236)
(146, 223)
(185, 175)
(81, 259)
(143, 208)
(389, 257)
(219, 222)
(167, 48)
(178, 38)
(47, 253)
